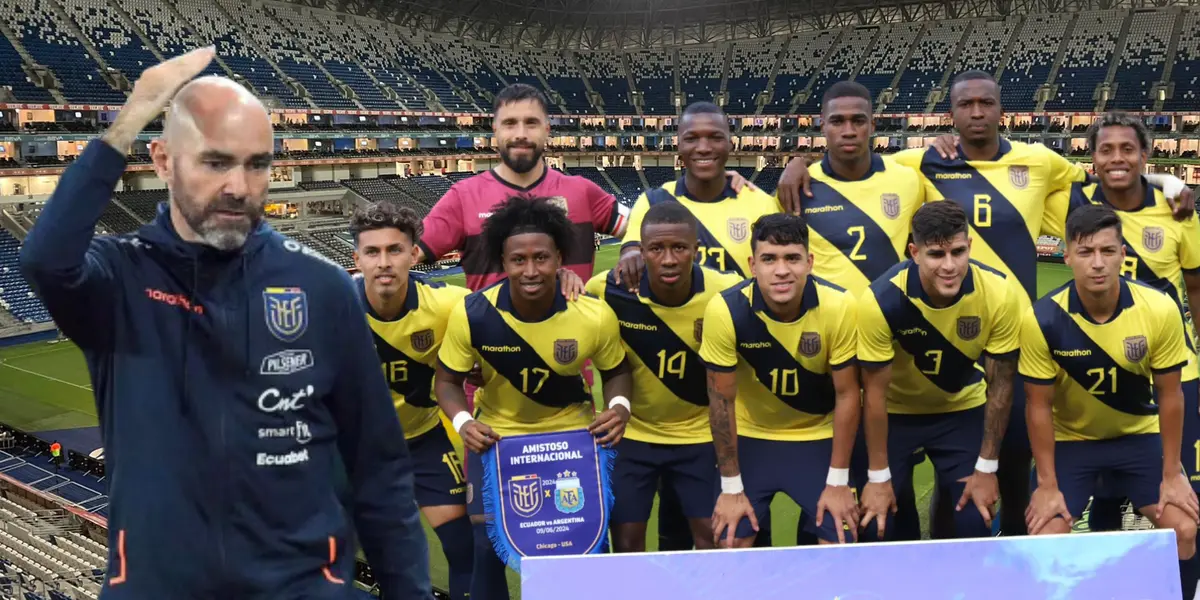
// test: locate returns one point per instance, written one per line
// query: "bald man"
(234, 372)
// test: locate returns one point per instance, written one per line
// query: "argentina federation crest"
(566, 351)
(568, 493)
(968, 327)
(286, 312)
(421, 340)
(890, 203)
(810, 344)
(1136, 348)
(1152, 238)
(738, 228)
(1018, 176)
(525, 494)
(698, 330)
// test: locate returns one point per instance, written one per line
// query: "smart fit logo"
(174, 300)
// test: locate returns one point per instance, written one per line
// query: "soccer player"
(668, 439)
(783, 390)
(531, 344)
(922, 329)
(1101, 358)
(408, 318)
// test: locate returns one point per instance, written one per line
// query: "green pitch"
(45, 386)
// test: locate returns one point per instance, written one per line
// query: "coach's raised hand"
(151, 94)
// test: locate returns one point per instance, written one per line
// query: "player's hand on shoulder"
(1183, 205)
(729, 511)
(571, 283)
(984, 490)
(839, 502)
(878, 502)
(629, 269)
(794, 182)
(1177, 491)
(946, 145)
(737, 181)
(610, 425)
(477, 436)
(1046, 503)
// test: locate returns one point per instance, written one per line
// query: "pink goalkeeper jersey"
(456, 221)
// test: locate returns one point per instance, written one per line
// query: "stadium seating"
(47, 38)
(983, 49)
(15, 295)
(887, 57)
(1031, 60)
(700, 72)
(1186, 72)
(564, 78)
(607, 76)
(653, 72)
(927, 67)
(171, 34)
(1086, 61)
(1143, 60)
(799, 64)
(842, 61)
(751, 63)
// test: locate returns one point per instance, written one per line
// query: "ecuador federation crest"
(568, 493)
(565, 351)
(1152, 238)
(738, 228)
(422, 340)
(890, 203)
(968, 327)
(810, 343)
(1018, 176)
(286, 312)
(525, 494)
(1136, 348)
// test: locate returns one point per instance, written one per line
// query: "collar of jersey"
(504, 303)
(877, 166)
(1147, 201)
(412, 301)
(914, 290)
(682, 191)
(809, 300)
(545, 173)
(1075, 305)
(645, 291)
(1005, 148)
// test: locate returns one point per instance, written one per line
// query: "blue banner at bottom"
(548, 494)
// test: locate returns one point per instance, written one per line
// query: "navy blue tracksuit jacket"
(234, 389)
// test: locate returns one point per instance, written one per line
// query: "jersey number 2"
(860, 235)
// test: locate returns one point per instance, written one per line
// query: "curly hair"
(518, 215)
(385, 215)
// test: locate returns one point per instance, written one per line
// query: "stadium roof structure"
(594, 24)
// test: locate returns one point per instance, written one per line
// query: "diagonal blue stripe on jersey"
(815, 392)
(834, 216)
(488, 328)
(655, 338)
(706, 238)
(418, 377)
(939, 360)
(1007, 235)
(1134, 392)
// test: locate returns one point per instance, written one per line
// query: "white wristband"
(838, 477)
(620, 401)
(881, 476)
(732, 485)
(461, 419)
(984, 465)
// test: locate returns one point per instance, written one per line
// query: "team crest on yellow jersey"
(698, 330)
(810, 343)
(1152, 238)
(739, 228)
(1018, 176)
(1136, 348)
(969, 327)
(525, 494)
(565, 351)
(422, 340)
(558, 201)
(890, 203)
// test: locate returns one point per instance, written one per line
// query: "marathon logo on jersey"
(810, 344)
(421, 340)
(698, 330)
(1018, 176)
(272, 400)
(738, 228)
(890, 203)
(1136, 348)
(286, 362)
(566, 351)
(300, 432)
(1152, 238)
(969, 327)
(286, 312)
(294, 457)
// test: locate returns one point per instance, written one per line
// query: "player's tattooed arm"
(999, 373)
(722, 392)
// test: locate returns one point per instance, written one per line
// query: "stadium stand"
(1143, 59)
(700, 72)
(927, 67)
(562, 77)
(45, 34)
(983, 48)
(800, 62)
(607, 75)
(15, 295)
(1085, 65)
(887, 57)
(653, 71)
(1032, 59)
(841, 63)
(1185, 75)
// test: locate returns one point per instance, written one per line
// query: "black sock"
(458, 545)
(1189, 572)
(488, 578)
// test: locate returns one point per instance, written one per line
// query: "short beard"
(202, 221)
(521, 166)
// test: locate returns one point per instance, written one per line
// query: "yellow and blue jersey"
(663, 344)
(784, 369)
(1004, 198)
(1102, 373)
(724, 223)
(532, 370)
(408, 348)
(859, 229)
(935, 352)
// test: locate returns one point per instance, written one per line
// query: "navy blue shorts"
(690, 470)
(437, 470)
(797, 469)
(1130, 465)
